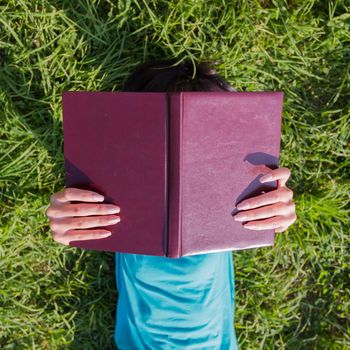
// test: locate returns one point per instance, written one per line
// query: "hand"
(280, 213)
(67, 221)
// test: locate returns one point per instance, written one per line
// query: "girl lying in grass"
(185, 303)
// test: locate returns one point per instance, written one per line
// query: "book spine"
(174, 176)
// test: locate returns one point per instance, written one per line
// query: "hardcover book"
(176, 163)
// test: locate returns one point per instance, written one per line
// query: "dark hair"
(166, 76)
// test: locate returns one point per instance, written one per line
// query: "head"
(167, 76)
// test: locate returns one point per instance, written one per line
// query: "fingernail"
(240, 217)
(265, 178)
(243, 206)
(115, 220)
(106, 234)
(252, 226)
(114, 210)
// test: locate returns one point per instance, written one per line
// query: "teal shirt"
(167, 304)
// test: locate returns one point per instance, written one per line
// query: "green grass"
(293, 296)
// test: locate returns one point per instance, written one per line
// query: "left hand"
(277, 205)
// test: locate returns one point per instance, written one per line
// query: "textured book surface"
(220, 145)
(115, 144)
(176, 164)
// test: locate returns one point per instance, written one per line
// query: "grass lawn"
(293, 296)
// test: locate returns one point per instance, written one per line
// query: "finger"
(281, 174)
(79, 235)
(270, 223)
(65, 224)
(283, 194)
(76, 194)
(81, 209)
(279, 208)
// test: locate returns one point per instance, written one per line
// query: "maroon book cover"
(177, 164)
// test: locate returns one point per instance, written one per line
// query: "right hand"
(67, 221)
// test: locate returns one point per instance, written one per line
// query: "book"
(176, 163)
